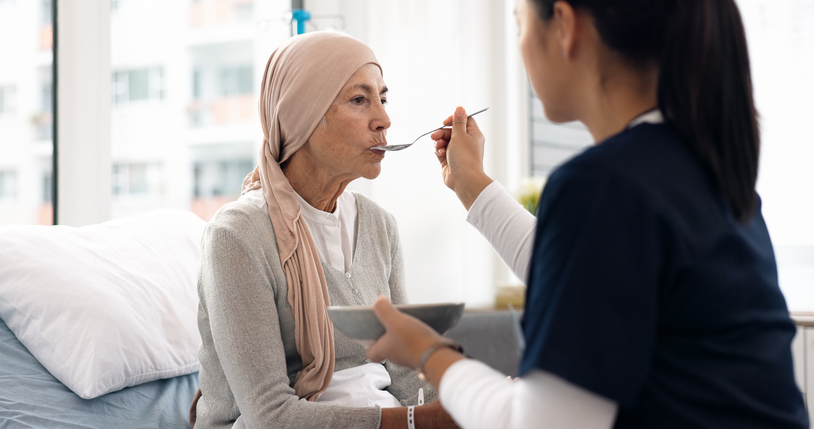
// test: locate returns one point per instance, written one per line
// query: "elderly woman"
(295, 243)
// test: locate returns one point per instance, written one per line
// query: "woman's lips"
(377, 145)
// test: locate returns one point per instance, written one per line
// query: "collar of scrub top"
(651, 117)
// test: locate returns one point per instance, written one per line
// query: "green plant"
(529, 192)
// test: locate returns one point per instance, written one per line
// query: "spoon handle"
(450, 124)
(397, 147)
(469, 116)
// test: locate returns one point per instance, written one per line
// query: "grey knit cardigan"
(248, 355)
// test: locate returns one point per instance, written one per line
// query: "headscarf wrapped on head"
(301, 81)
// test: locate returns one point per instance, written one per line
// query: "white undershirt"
(476, 395)
(334, 233)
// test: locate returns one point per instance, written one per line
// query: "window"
(197, 90)
(137, 179)
(191, 43)
(204, 13)
(47, 188)
(243, 10)
(192, 149)
(8, 186)
(223, 83)
(7, 100)
(552, 144)
(138, 85)
(43, 119)
(45, 12)
(781, 38)
(26, 100)
(46, 29)
(221, 177)
(236, 80)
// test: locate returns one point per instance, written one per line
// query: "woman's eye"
(384, 102)
(358, 100)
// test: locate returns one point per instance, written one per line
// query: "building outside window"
(236, 80)
(26, 100)
(223, 83)
(138, 85)
(552, 144)
(7, 100)
(47, 188)
(221, 178)
(45, 12)
(211, 13)
(43, 120)
(137, 179)
(184, 97)
(46, 30)
(218, 171)
(8, 186)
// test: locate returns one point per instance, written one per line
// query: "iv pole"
(300, 15)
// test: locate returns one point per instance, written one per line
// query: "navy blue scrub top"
(644, 289)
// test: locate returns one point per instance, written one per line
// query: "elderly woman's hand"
(404, 341)
(460, 152)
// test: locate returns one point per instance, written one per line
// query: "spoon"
(395, 147)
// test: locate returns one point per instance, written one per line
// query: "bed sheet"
(30, 397)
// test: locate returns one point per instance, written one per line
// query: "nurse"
(652, 294)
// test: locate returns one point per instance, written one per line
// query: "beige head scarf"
(301, 81)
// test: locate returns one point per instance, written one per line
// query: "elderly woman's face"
(355, 122)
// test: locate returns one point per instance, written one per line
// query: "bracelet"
(411, 417)
(432, 349)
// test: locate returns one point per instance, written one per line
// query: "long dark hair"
(705, 86)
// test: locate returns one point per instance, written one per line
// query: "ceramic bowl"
(360, 324)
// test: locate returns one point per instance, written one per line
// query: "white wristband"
(411, 417)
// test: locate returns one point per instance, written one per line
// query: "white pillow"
(105, 306)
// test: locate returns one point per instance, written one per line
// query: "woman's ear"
(566, 19)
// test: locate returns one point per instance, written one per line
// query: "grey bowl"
(360, 324)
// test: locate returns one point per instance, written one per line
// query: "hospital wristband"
(411, 417)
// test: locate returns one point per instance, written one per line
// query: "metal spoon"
(395, 147)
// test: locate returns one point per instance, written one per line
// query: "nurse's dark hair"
(704, 88)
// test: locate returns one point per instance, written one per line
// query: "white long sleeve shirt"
(506, 224)
(334, 233)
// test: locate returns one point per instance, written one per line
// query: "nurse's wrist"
(438, 363)
(468, 188)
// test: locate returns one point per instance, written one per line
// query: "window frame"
(82, 112)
